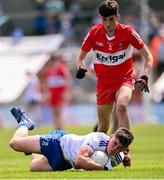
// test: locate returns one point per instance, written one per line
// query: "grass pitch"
(147, 158)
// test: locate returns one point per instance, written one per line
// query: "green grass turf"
(147, 158)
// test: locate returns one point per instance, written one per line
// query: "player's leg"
(114, 120)
(58, 114)
(95, 127)
(35, 155)
(123, 97)
(57, 108)
(104, 117)
(21, 141)
(27, 143)
(40, 163)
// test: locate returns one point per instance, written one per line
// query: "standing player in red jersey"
(57, 87)
(112, 44)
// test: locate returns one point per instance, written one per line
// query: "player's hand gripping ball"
(102, 159)
(107, 161)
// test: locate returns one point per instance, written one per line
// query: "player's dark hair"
(124, 136)
(108, 8)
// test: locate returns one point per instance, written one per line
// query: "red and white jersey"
(112, 56)
(57, 76)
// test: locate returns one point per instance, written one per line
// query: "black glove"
(142, 83)
(81, 73)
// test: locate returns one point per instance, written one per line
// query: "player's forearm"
(148, 59)
(80, 58)
(147, 66)
(88, 164)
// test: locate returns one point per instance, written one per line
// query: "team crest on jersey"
(99, 44)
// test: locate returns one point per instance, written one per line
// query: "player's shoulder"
(125, 28)
(99, 135)
(97, 27)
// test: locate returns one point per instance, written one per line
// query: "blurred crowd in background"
(72, 19)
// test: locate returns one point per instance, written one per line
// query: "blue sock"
(23, 124)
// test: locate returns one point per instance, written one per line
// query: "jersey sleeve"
(117, 159)
(91, 142)
(135, 40)
(88, 41)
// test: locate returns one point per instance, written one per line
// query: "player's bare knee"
(37, 165)
(34, 166)
(14, 144)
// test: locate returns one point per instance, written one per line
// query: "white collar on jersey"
(109, 38)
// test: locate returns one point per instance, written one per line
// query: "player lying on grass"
(59, 150)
